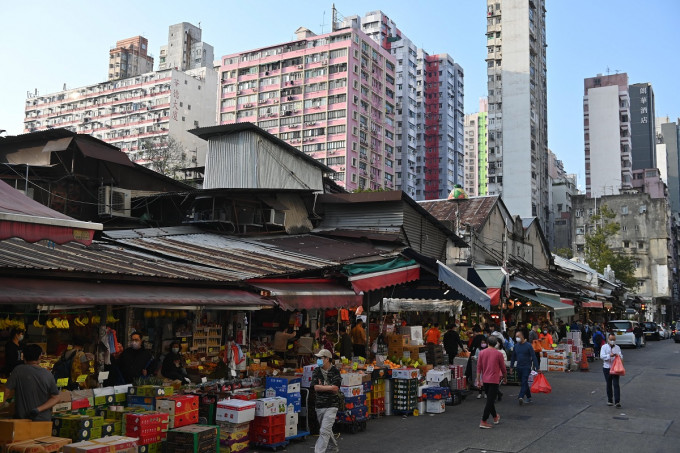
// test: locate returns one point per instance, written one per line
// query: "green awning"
(492, 276)
(551, 300)
(365, 268)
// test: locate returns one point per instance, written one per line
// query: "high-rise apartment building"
(429, 117)
(331, 95)
(475, 139)
(669, 141)
(606, 133)
(130, 58)
(642, 129)
(185, 50)
(137, 114)
(518, 114)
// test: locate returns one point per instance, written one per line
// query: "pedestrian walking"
(608, 353)
(638, 333)
(484, 344)
(523, 359)
(451, 343)
(598, 341)
(327, 381)
(490, 371)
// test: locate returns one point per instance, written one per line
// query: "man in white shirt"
(607, 353)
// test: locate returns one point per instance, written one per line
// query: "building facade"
(668, 140)
(130, 58)
(642, 127)
(185, 50)
(141, 115)
(606, 133)
(430, 115)
(645, 236)
(332, 96)
(564, 188)
(518, 115)
(476, 157)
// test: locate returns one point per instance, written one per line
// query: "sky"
(44, 45)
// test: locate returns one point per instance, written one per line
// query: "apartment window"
(641, 245)
(624, 228)
(580, 230)
(624, 210)
(626, 244)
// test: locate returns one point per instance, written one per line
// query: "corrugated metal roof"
(101, 260)
(327, 248)
(473, 211)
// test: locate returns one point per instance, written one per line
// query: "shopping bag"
(617, 367)
(540, 384)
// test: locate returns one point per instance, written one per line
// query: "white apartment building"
(430, 115)
(476, 157)
(518, 114)
(136, 112)
(606, 133)
(185, 50)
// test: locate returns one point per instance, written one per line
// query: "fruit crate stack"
(111, 444)
(435, 354)
(233, 418)
(435, 398)
(77, 427)
(268, 428)
(287, 387)
(405, 390)
(458, 379)
(377, 400)
(193, 439)
(354, 389)
(182, 410)
(148, 427)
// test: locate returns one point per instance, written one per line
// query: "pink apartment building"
(331, 95)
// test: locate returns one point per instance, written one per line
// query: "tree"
(167, 157)
(599, 254)
(565, 252)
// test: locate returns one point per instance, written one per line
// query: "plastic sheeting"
(391, 305)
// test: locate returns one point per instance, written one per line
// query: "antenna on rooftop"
(608, 71)
(323, 21)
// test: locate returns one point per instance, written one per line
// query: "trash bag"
(617, 368)
(540, 384)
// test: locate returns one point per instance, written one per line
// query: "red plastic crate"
(268, 430)
(268, 439)
(188, 418)
(268, 422)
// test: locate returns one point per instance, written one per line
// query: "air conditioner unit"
(324, 63)
(342, 168)
(114, 202)
(274, 217)
(299, 66)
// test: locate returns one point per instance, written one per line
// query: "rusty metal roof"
(101, 260)
(333, 249)
(473, 211)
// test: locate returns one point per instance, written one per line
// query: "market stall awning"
(391, 305)
(309, 293)
(462, 286)
(495, 295)
(370, 276)
(491, 276)
(25, 218)
(64, 292)
(550, 300)
(591, 303)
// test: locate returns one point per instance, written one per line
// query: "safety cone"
(584, 362)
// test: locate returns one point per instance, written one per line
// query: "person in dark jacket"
(13, 351)
(451, 342)
(524, 358)
(326, 380)
(172, 364)
(346, 346)
(135, 361)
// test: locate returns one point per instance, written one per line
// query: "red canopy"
(383, 279)
(308, 293)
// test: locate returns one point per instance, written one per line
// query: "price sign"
(2, 397)
(369, 369)
(204, 380)
(103, 375)
(188, 361)
(63, 382)
(81, 378)
(200, 367)
(355, 366)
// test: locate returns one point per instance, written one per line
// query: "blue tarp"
(462, 286)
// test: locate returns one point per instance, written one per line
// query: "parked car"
(664, 333)
(651, 330)
(623, 329)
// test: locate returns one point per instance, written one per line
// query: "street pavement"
(574, 417)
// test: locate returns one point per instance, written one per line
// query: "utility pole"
(507, 279)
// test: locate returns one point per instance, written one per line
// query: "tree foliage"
(599, 253)
(167, 157)
(565, 252)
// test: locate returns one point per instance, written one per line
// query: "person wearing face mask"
(327, 380)
(135, 361)
(172, 364)
(608, 353)
(482, 346)
(13, 355)
(523, 358)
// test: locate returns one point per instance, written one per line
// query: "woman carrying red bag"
(608, 353)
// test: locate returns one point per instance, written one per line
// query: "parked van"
(623, 329)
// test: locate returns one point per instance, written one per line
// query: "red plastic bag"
(617, 368)
(540, 384)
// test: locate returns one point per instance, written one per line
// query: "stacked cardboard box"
(148, 427)
(15, 431)
(193, 439)
(355, 403)
(395, 345)
(39, 445)
(307, 372)
(377, 400)
(234, 437)
(404, 394)
(114, 444)
(287, 387)
(182, 410)
(77, 427)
